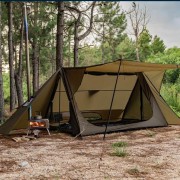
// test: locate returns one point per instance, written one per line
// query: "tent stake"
(110, 110)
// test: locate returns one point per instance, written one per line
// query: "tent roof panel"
(130, 66)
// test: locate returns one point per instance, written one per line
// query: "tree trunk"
(102, 46)
(76, 44)
(53, 60)
(35, 59)
(1, 79)
(18, 82)
(35, 64)
(77, 38)
(11, 58)
(18, 74)
(59, 36)
(138, 20)
(69, 50)
(137, 49)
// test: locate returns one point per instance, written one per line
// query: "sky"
(164, 19)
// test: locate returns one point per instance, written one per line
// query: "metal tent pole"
(59, 116)
(27, 60)
(109, 115)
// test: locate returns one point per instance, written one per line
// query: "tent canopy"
(130, 67)
(82, 98)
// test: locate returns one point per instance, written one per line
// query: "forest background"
(75, 33)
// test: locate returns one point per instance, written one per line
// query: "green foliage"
(170, 56)
(111, 25)
(157, 45)
(144, 44)
(120, 152)
(89, 56)
(172, 76)
(47, 61)
(126, 49)
(42, 27)
(119, 144)
(170, 90)
(171, 94)
(119, 149)
(6, 87)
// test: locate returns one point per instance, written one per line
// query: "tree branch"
(91, 22)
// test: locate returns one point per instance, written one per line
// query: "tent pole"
(27, 61)
(59, 97)
(110, 110)
(70, 97)
(141, 99)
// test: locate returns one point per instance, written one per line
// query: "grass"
(119, 144)
(120, 152)
(119, 149)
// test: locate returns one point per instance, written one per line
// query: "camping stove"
(36, 125)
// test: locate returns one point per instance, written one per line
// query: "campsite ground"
(144, 154)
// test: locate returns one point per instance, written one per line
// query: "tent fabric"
(169, 115)
(82, 97)
(138, 106)
(156, 78)
(130, 66)
(155, 121)
(19, 120)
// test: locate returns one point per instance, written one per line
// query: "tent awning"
(130, 67)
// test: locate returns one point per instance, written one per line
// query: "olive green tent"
(120, 95)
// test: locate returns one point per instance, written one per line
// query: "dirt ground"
(148, 154)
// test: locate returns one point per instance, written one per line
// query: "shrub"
(170, 93)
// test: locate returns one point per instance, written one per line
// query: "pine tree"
(127, 49)
(18, 48)
(111, 23)
(1, 79)
(11, 57)
(79, 27)
(59, 36)
(144, 45)
(157, 45)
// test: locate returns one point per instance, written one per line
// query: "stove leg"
(48, 131)
(29, 131)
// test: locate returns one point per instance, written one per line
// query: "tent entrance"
(130, 104)
(58, 111)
